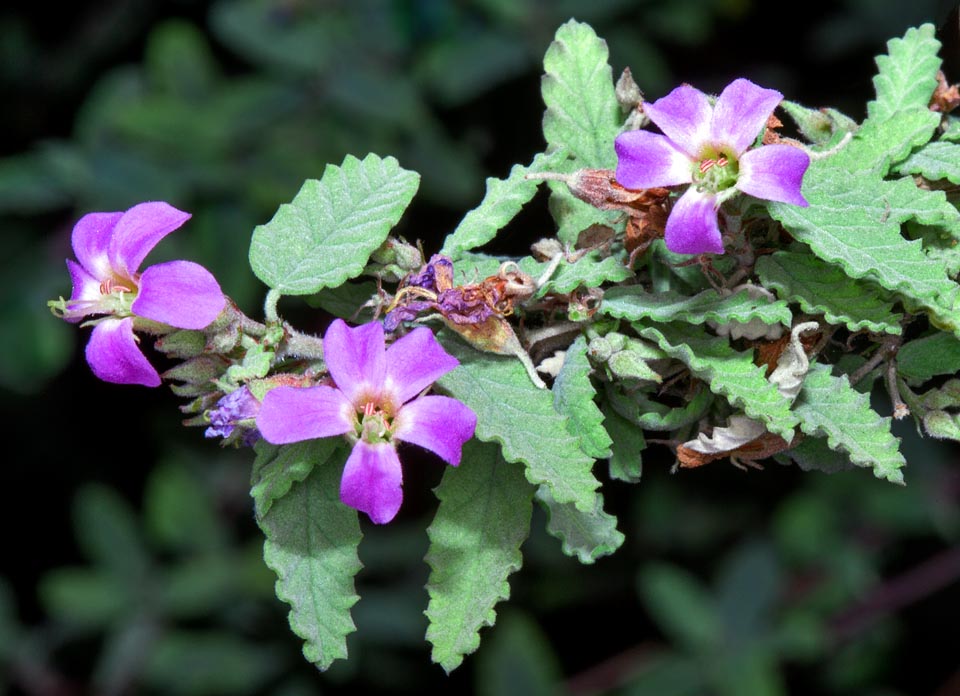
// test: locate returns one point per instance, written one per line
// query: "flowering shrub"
(732, 289)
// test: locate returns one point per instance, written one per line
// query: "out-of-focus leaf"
(107, 531)
(178, 510)
(681, 606)
(518, 661)
(85, 596)
(195, 663)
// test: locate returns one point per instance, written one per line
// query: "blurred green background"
(132, 563)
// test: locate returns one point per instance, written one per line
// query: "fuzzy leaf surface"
(311, 544)
(573, 396)
(277, 468)
(501, 203)
(475, 537)
(633, 304)
(326, 234)
(821, 288)
(908, 73)
(585, 535)
(728, 372)
(854, 222)
(511, 410)
(829, 407)
(582, 114)
(939, 160)
(626, 463)
(929, 356)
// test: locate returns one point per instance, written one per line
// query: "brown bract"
(770, 135)
(946, 97)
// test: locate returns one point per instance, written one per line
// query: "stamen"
(369, 408)
(708, 164)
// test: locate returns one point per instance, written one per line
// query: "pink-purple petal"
(179, 293)
(91, 242)
(647, 160)
(356, 358)
(372, 480)
(684, 116)
(86, 289)
(774, 173)
(741, 112)
(293, 414)
(114, 356)
(437, 423)
(138, 230)
(413, 363)
(692, 225)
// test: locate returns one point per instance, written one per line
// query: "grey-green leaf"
(475, 537)
(311, 544)
(908, 73)
(586, 535)
(327, 233)
(277, 468)
(582, 114)
(928, 356)
(821, 288)
(521, 417)
(573, 396)
(829, 407)
(938, 160)
(503, 200)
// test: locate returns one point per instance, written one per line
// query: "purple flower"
(375, 403)
(107, 281)
(239, 408)
(706, 144)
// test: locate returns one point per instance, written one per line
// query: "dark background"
(832, 585)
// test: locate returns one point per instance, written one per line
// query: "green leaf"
(928, 356)
(327, 233)
(573, 396)
(878, 144)
(85, 596)
(829, 407)
(582, 116)
(346, 300)
(908, 73)
(727, 372)
(521, 417)
(589, 271)
(823, 289)
(475, 537)
(939, 160)
(626, 463)
(573, 216)
(503, 200)
(277, 468)
(854, 221)
(634, 303)
(311, 544)
(586, 535)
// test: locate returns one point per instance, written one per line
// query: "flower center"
(375, 424)
(716, 171)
